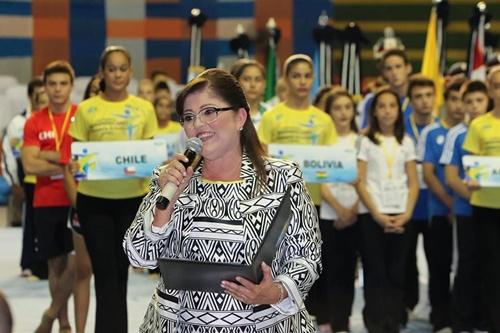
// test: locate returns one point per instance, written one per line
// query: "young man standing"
(46, 148)
(23, 185)
(421, 95)
(396, 70)
(467, 307)
(439, 237)
(483, 139)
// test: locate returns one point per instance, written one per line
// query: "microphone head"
(194, 144)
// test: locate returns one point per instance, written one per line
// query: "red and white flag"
(477, 63)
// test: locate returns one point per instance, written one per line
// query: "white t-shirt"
(386, 179)
(344, 193)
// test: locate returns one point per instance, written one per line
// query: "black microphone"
(193, 150)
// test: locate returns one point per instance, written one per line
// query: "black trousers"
(488, 221)
(342, 258)
(467, 308)
(29, 257)
(384, 257)
(412, 292)
(331, 297)
(439, 245)
(104, 223)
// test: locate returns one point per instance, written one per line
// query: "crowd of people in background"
(411, 182)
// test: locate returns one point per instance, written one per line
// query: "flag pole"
(274, 34)
(196, 21)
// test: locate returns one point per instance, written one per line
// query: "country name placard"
(484, 169)
(320, 164)
(118, 159)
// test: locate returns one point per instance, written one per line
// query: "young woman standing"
(339, 230)
(388, 188)
(107, 207)
(251, 75)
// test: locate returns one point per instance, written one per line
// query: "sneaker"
(445, 330)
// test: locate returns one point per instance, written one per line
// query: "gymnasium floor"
(28, 299)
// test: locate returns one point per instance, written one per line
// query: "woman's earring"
(241, 128)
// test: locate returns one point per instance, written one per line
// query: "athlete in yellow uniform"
(483, 138)
(106, 208)
(296, 121)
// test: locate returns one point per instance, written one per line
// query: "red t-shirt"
(38, 131)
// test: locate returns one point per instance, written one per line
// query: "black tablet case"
(206, 276)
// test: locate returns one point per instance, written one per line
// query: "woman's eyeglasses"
(206, 115)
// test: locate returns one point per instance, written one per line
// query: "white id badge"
(393, 197)
(420, 175)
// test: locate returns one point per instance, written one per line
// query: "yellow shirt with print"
(483, 138)
(99, 120)
(285, 125)
(171, 128)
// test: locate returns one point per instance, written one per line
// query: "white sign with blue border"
(320, 164)
(484, 169)
(118, 159)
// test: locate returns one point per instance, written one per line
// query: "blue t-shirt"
(421, 211)
(430, 148)
(452, 155)
(365, 111)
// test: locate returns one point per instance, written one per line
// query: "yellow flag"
(430, 61)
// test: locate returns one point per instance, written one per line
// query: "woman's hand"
(174, 172)
(346, 217)
(73, 167)
(383, 220)
(266, 292)
(398, 222)
(472, 185)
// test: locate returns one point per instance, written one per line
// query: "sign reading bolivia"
(118, 159)
(320, 164)
(484, 169)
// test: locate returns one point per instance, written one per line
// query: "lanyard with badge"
(420, 168)
(394, 192)
(59, 136)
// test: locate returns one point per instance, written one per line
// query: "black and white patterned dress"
(226, 222)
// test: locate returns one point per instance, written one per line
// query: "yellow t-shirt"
(172, 127)
(283, 124)
(483, 138)
(99, 120)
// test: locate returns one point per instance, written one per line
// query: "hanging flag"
(351, 63)
(271, 66)
(316, 86)
(433, 59)
(324, 35)
(476, 66)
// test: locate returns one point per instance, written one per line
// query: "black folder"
(207, 276)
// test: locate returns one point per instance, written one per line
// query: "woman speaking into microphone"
(219, 213)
